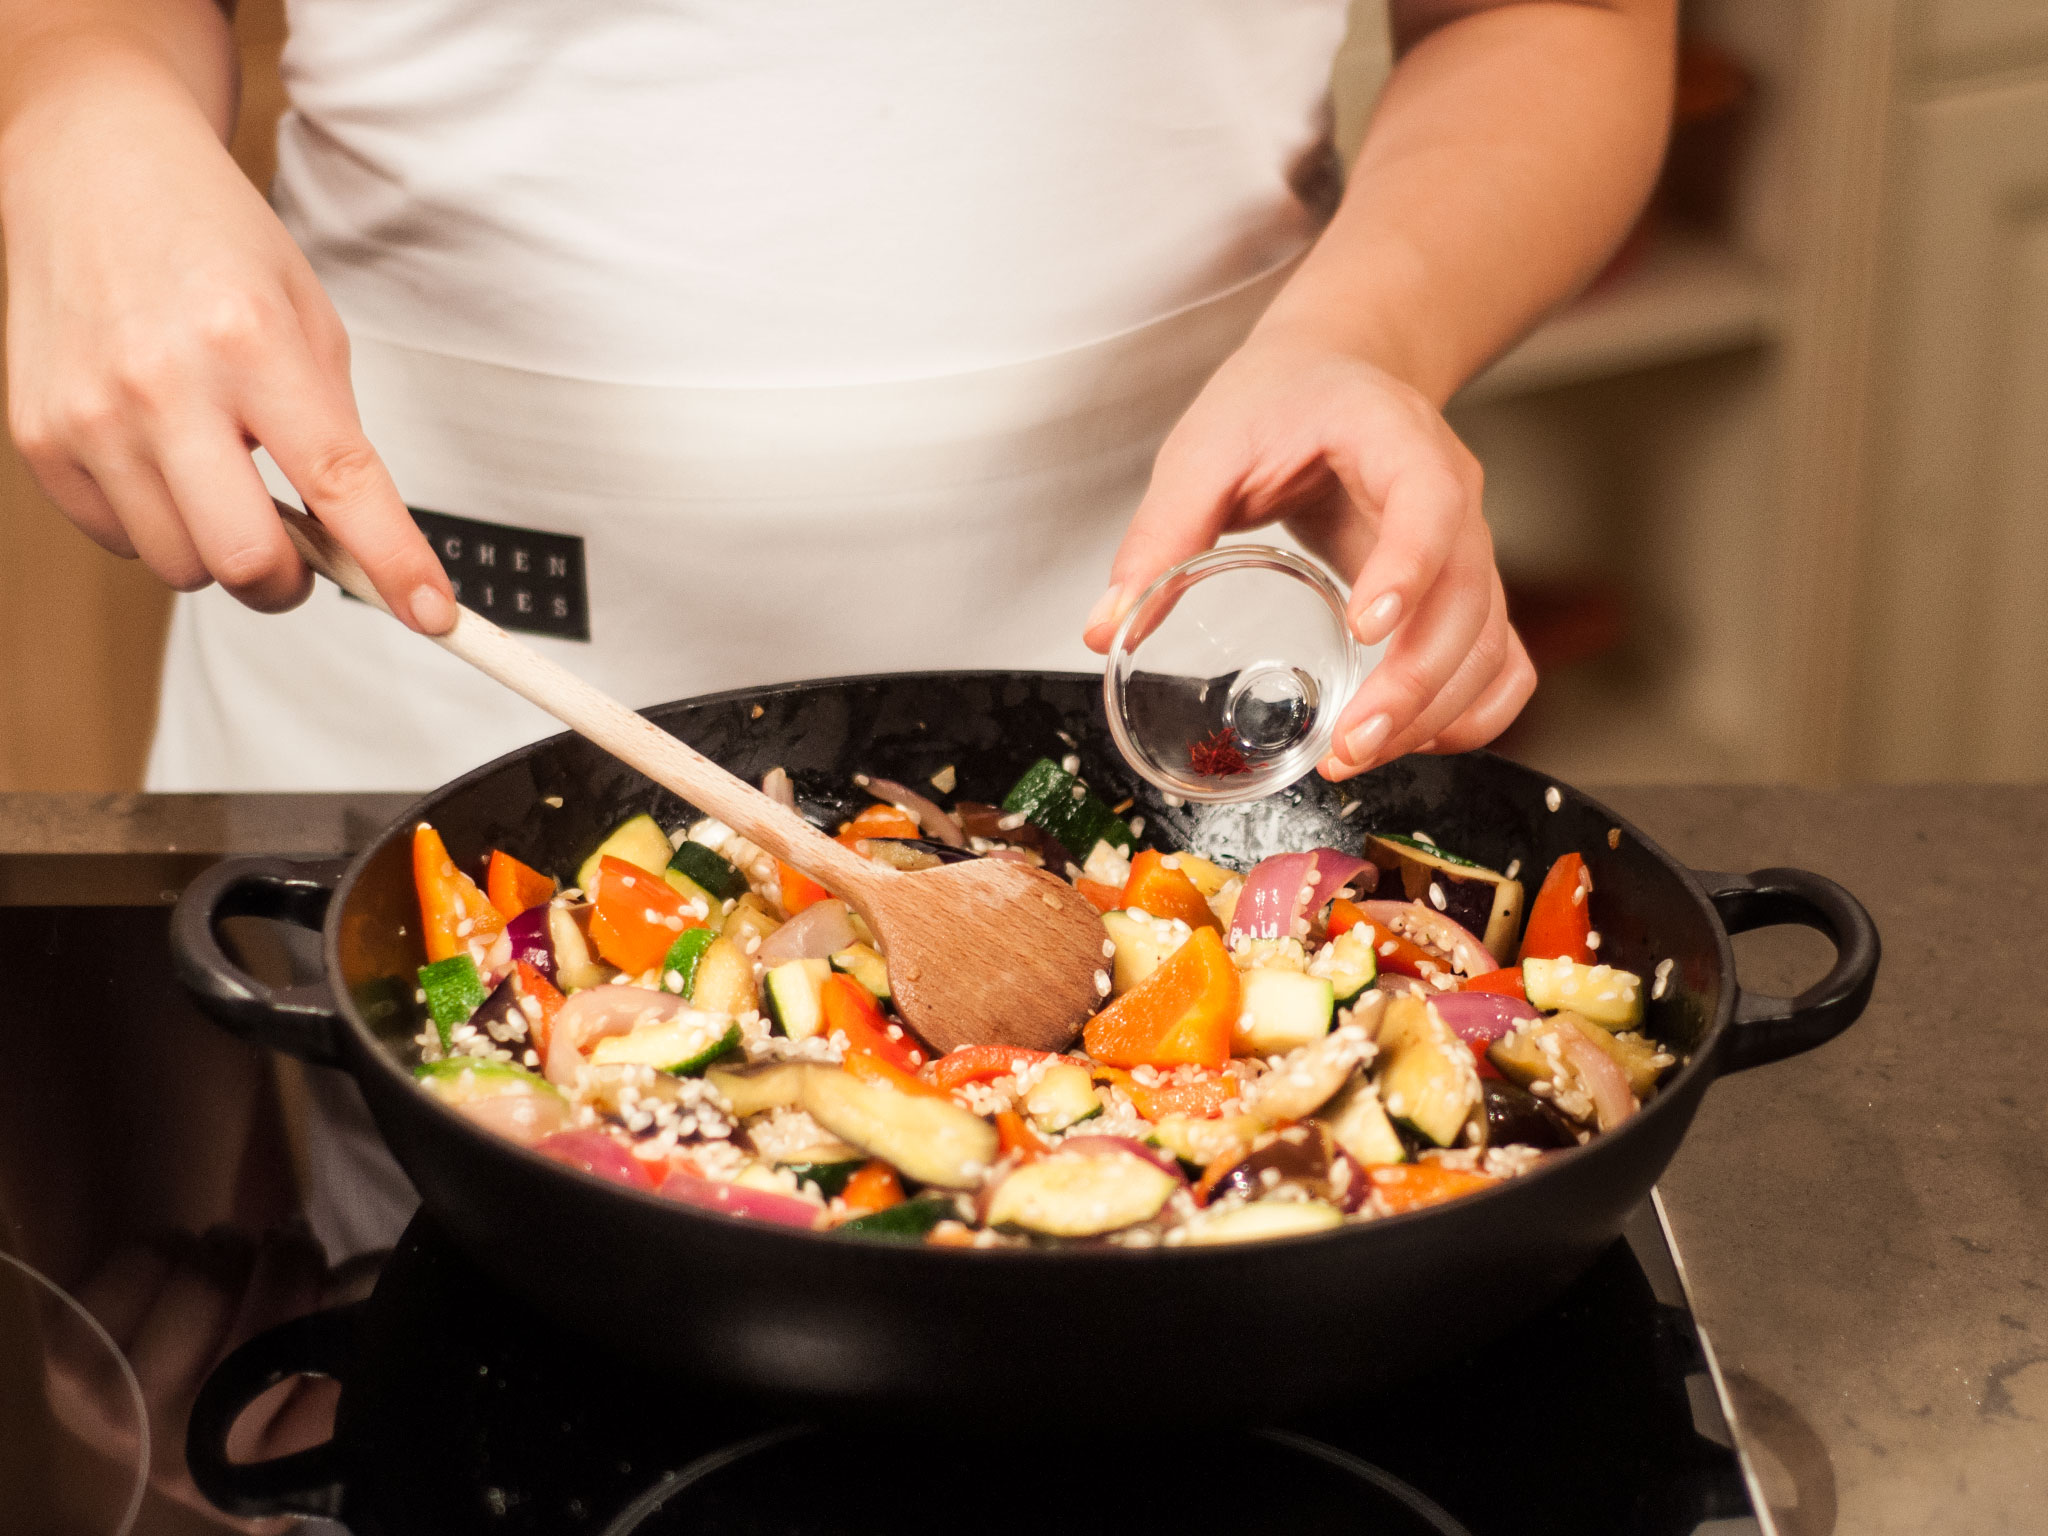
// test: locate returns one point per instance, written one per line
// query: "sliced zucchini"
(576, 964)
(1081, 1194)
(934, 1141)
(708, 869)
(1055, 801)
(724, 981)
(1358, 1124)
(1205, 1141)
(1599, 994)
(684, 1045)
(679, 965)
(697, 901)
(460, 1079)
(1143, 944)
(1064, 1096)
(455, 990)
(829, 1177)
(638, 840)
(1261, 1219)
(1348, 963)
(792, 991)
(1280, 1011)
(864, 965)
(1427, 1080)
(910, 1222)
(1483, 900)
(760, 1086)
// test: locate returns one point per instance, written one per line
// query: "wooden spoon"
(981, 951)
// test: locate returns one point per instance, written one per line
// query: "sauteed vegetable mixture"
(1324, 1038)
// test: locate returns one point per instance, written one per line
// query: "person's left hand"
(1366, 473)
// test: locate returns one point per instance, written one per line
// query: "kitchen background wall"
(1771, 497)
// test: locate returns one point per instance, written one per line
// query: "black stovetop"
(462, 1411)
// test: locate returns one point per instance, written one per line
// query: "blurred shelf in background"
(1689, 296)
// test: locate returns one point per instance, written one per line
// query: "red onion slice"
(596, 1153)
(1334, 871)
(1421, 922)
(531, 941)
(738, 1200)
(588, 1016)
(821, 929)
(522, 1117)
(1274, 897)
(935, 822)
(1482, 1017)
(1603, 1078)
(776, 786)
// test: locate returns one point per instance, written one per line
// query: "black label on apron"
(516, 577)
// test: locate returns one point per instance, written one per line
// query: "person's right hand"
(160, 324)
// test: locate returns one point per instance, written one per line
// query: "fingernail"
(1335, 768)
(1365, 739)
(1378, 620)
(1107, 607)
(432, 610)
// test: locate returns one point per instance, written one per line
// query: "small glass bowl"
(1226, 677)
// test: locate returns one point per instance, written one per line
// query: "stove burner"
(801, 1481)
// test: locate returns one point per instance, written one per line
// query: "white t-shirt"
(752, 193)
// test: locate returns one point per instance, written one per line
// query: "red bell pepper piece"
(1562, 915)
(876, 1069)
(1411, 1186)
(453, 912)
(1015, 1138)
(881, 821)
(536, 986)
(1507, 982)
(637, 916)
(850, 1010)
(980, 1063)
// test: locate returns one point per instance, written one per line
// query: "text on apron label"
(519, 578)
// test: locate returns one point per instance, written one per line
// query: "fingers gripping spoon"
(985, 951)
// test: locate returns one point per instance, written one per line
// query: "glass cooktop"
(462, 1411)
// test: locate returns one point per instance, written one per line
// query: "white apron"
(730, 537)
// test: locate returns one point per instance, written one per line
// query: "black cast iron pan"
(1211, 1335)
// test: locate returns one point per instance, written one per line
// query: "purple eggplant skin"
(528, 933)
(1515, 1116)
(1299, 1155)
(500, 1008)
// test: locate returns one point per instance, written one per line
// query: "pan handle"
(306, 1482)
(1768, 1028)
(303, 1020)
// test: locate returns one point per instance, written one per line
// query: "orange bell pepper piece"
(1179, 1014)
(536, 986)
(875, 1069)
(882, 821)
(513, 887)
(452, 910)
(638, 916)
(1561, 916)
(1016, 1138)
(979, 1063)
(1103, 898)
(1344, 916)
(1163, 891)
(850, 1010)
(1507, 982)
(1411, 1186)
(1203, 1099)
(873, 1187)
(799, 890)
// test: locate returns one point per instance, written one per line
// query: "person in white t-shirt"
(743, 306)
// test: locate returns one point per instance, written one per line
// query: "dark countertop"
(1865, 1229)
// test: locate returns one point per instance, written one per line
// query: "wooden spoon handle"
(592, 713)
